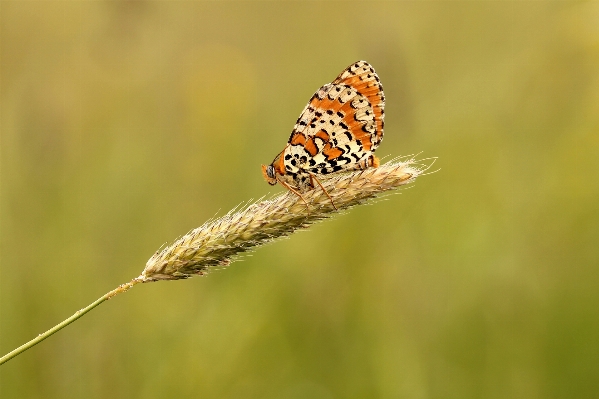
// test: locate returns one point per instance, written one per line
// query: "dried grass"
(218, 242)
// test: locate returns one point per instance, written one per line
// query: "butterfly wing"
(341, 125)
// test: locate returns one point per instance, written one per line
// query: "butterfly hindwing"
(340, 126)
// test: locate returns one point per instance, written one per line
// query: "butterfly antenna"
(323, 189)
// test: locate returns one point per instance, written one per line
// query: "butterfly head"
(269, 174)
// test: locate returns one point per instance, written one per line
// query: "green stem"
(121, 288)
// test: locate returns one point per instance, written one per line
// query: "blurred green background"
(126, 124)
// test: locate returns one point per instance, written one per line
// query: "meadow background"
(125, 124)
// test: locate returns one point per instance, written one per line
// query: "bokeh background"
(126, 124)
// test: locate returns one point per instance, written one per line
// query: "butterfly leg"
(288, 187)
(312, 178)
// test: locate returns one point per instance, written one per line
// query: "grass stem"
(121, 288)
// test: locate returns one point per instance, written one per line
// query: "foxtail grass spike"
(216, 243)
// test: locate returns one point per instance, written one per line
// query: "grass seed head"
(217, 242)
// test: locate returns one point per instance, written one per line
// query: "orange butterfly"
(338, 130)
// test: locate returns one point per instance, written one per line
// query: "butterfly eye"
(270, 171)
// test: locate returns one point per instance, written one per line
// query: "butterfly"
(338, 130)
